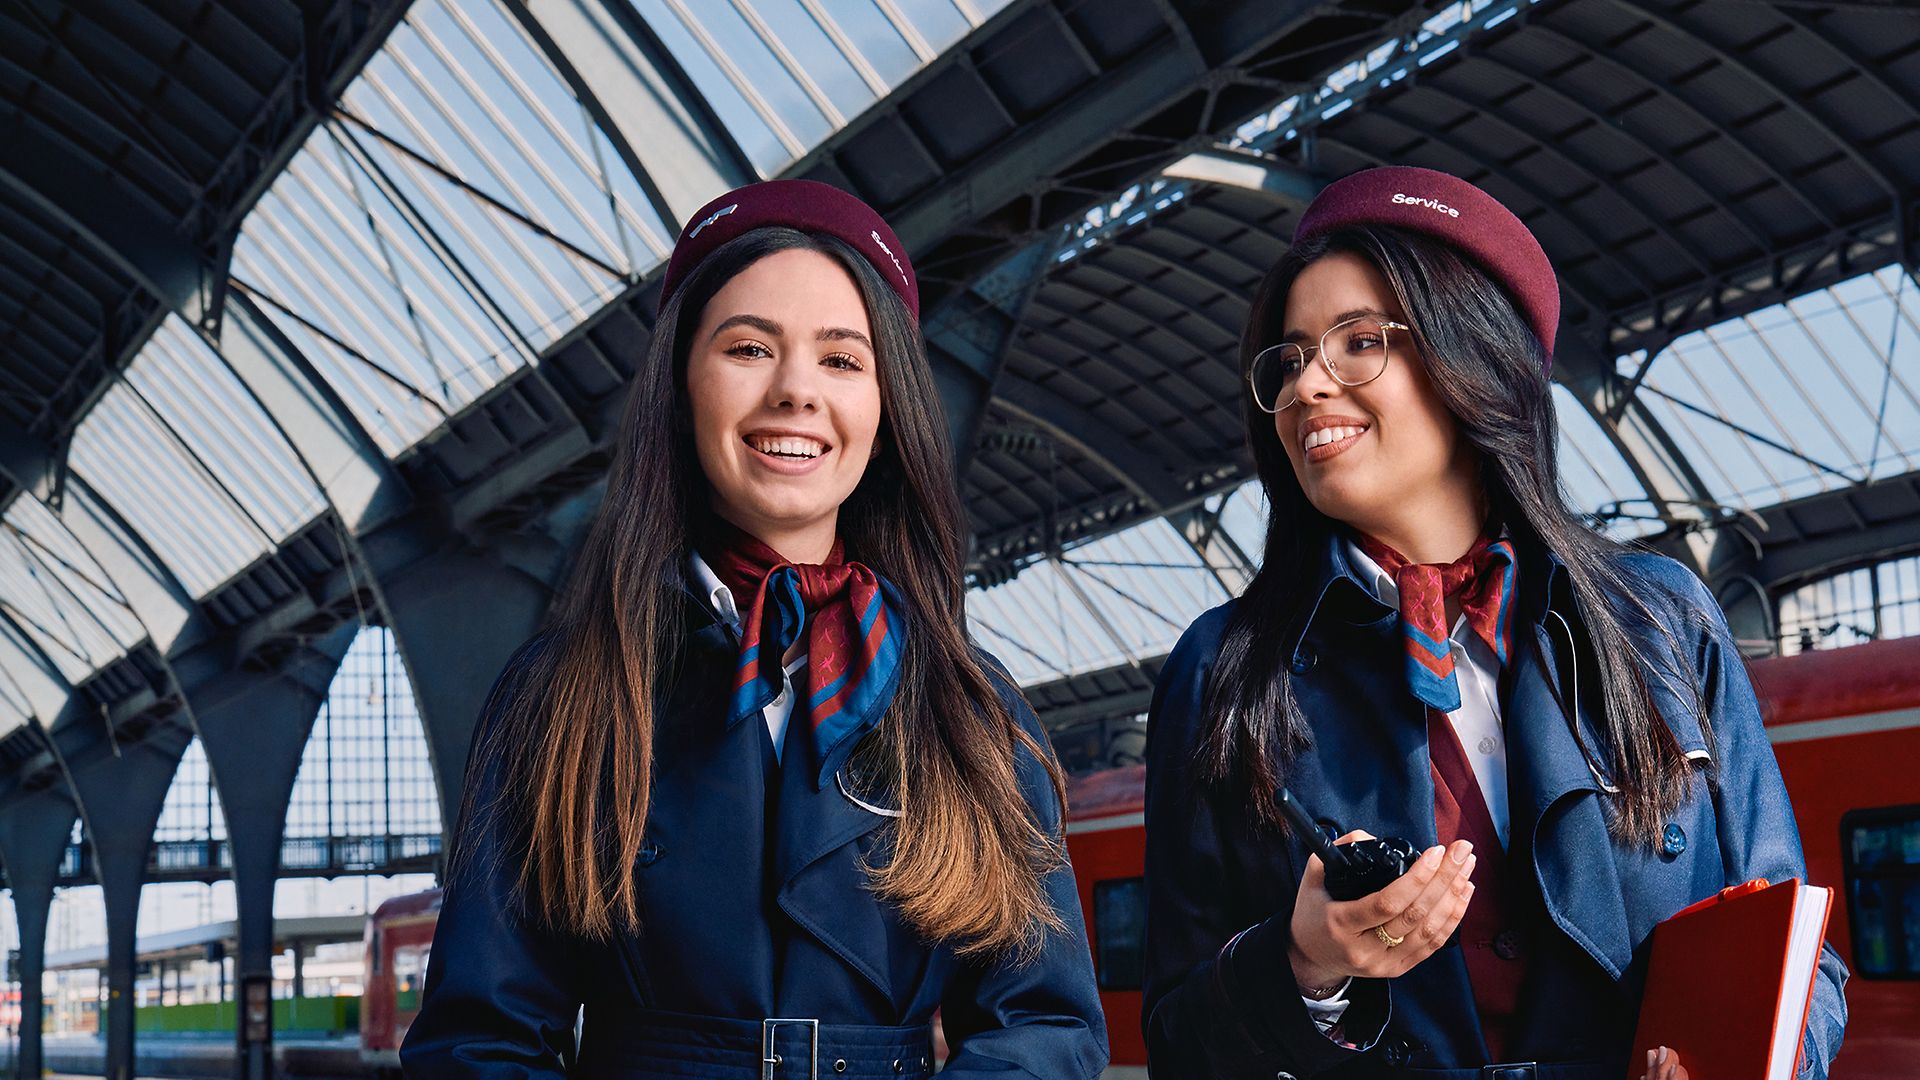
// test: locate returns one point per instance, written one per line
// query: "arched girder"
(1116, 402)
(1096, 266)
(1557, 147)
(1572, 104)
(137, 239)
(33, 839)
(1068, 425)
(1674, 97)
(1655, 460)
(1789, 101)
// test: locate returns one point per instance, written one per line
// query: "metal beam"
(968, 335)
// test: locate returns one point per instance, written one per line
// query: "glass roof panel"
(1798, 398)
(782, 75)
(460, 91)
(15, 709)
(344, 275)
(127, 453)
(1146, 584)
(58, 595)
(207, 407)
(1244, 517)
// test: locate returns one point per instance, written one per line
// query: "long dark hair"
(575, 740)
(1488, 367)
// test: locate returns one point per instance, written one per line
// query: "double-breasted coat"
(1214, 1012)
(754, 903)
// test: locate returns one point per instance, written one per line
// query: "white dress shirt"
(1476, 722)
(720, 598)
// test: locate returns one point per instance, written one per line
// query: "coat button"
(1674, 841)
(839, 1064)
(1303, 661)
(650, 853)
(1399, 1052)
(897, 1066)
(1508, 944)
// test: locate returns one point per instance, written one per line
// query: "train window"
(1119, 928)
(1880, 850)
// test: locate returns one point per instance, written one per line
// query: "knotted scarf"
(854, 637)
(1482, 579)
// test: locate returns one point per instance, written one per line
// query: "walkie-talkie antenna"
(1310, 831)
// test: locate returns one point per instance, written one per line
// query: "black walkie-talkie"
(1354, 870)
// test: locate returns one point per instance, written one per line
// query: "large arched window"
(1868, 603)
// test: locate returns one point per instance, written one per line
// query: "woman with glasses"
(753, 807)
(1437, 649)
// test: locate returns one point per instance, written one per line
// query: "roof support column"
(254, 728)
(459, 615)
(33, 838)
(126, 789)
(968, 336)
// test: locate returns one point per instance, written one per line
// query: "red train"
(1845, 726)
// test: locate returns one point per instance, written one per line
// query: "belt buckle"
(1515, 1070)
(769, 1060)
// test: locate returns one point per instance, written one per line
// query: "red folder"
(1731, 979)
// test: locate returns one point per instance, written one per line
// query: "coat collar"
(1342, 589)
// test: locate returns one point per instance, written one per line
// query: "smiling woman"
(1435, 648)
(753, 799)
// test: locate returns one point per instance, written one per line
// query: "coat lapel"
(1556, 794)
(820, 863)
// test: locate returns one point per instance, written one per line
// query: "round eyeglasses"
(1355, 352)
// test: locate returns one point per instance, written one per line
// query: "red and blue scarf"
(854, 635)
(1482, 579)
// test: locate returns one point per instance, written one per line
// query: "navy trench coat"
(752, 905)
(1210, 874)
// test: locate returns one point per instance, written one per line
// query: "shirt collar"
(708, 585)
(1369, 573)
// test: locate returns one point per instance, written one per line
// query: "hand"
(1664, 1064)
(1333, 939)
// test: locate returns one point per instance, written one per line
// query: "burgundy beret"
(807, 205)
(1449, 208)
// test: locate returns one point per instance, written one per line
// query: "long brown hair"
(1488, 368)
(574, 741)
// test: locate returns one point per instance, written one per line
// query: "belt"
(1518, 1070)
(645, 1044)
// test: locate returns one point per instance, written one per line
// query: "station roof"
(453, 214)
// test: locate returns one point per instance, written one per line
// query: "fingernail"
(1461, 849)
(1472, 861)
(1651, 1059)
(1431, 858)
(1663, 1056)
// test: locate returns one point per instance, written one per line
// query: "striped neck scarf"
(1483, 579)
(854, 637)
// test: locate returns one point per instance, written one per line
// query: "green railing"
(291, 1016)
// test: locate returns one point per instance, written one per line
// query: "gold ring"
(1387, 939)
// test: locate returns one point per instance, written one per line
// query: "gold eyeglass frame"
(1321, 350)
